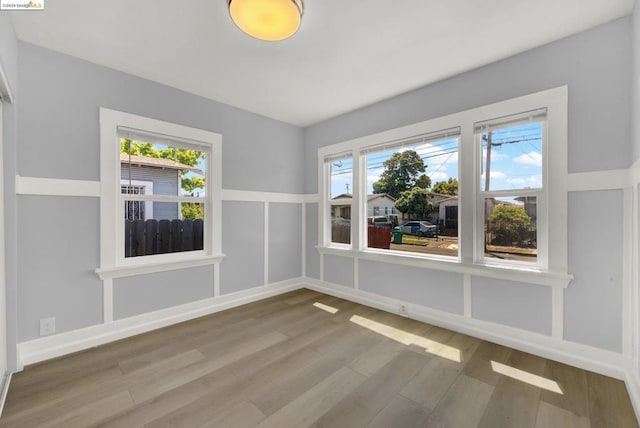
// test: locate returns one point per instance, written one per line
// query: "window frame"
(112, 260)
(541, 194)
(553, 262)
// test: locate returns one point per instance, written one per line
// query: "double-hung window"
(512, 188)
(483, 191)
(160, 195)
(403, 174)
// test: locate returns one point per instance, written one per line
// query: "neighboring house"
(448, 214)
(380, 204)
(140, 175)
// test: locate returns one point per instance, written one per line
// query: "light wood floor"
(285, 362)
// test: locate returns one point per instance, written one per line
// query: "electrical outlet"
(47, 326)
(403, 309)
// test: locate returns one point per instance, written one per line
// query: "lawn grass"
(415, 240)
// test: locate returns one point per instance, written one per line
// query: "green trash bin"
(397, 235)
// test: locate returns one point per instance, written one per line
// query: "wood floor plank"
(78, 390)
(377, 357)
(244, 415)
(463, 405)
(400, 413)
(432, 382)
(92, 413)
(366, 401)
(285, 362)
(609, 404)
(572, 383)
(250, 364)
(271, 397)
(155, 386)
(222, 382)
(479, 365)
(308, 407)
(514, 402)
(550, 416)
(347, 343)
(213, 334)
(220, 400)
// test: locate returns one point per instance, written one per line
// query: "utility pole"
(487, 179)
(487, 182)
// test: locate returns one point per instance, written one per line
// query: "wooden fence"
(145, 237)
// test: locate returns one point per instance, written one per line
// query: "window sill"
(122, 271)
(510, 273)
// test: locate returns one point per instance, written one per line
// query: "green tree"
(183, 156)
(415, 202)
(449, 187)
(190, 184)
(401, 173)
(138, 148)
(509, 225)
(192, 211)
(423, 181)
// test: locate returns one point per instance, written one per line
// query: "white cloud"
(533, 181)
(438, 176)
(531, 158)
(495, 156)
(497, 175)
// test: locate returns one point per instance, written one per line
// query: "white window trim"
(148, 190)
(112, 261)
(552, 271)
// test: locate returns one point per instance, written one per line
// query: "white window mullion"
(357, 231)
(467, 215)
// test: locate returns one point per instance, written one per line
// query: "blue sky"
(516, 161)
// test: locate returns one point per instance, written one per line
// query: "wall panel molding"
(45, 348)
(56, 187)
(586, 357)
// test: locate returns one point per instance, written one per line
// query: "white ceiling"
(347, 53)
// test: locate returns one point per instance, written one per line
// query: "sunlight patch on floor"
(324, 307)
(406, 338)
(526, 377)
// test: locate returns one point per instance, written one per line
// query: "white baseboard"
(49, 347)
(5, 391)
(586, 357)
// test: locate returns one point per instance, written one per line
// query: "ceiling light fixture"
(267, 19)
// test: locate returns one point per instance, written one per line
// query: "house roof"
(369, 197)
(157, 162)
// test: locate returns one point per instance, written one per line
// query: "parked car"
(420, 228)
(380, 221)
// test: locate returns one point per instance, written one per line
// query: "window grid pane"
(510, 228)
(412, 189)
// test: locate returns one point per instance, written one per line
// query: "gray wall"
(58, 113)
(434, 289)
(593, 302)
(243, 245)
(9, 61)
(285, 229)
(58, 116)
(169, 289)
(596, 65)
(635, 82)
(312, 262)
